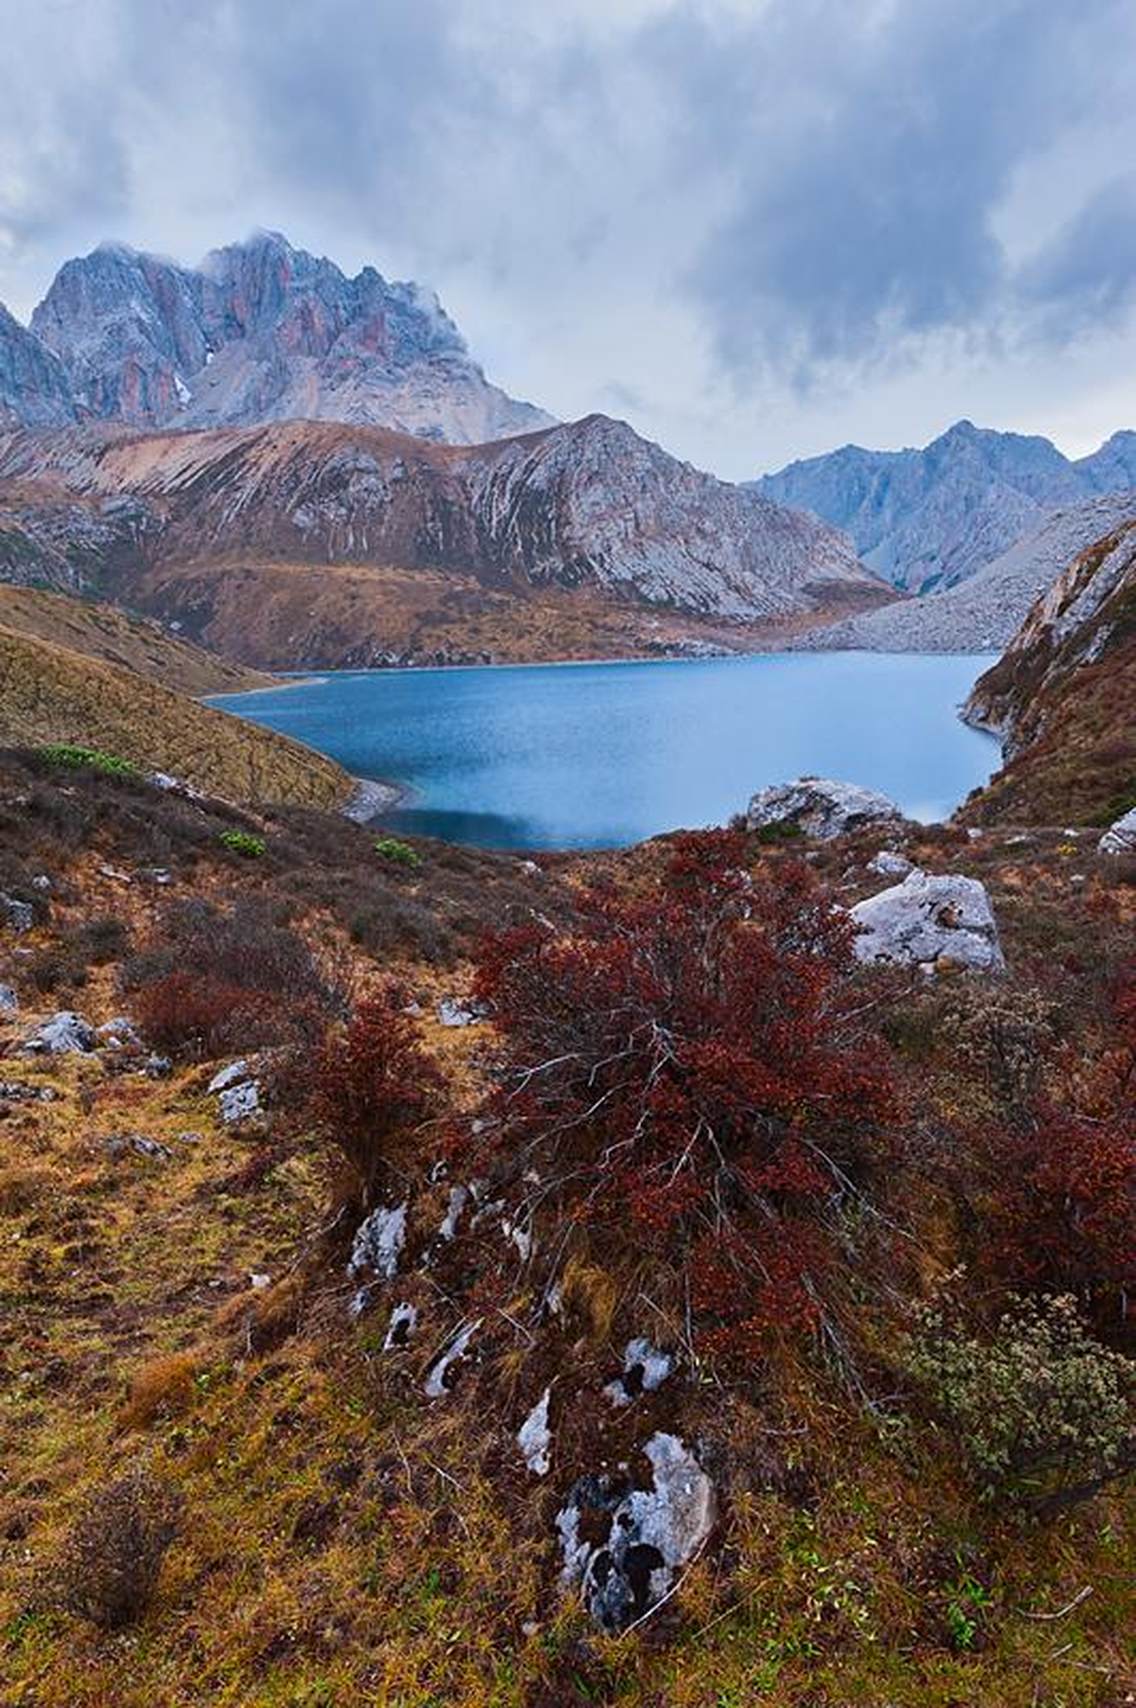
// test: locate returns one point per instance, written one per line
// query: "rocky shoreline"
(370, 798)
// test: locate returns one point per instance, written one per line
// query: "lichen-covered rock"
(817, 806)
(20, 915)
(645, 1368)
(931, 921)
(888, 864)
(442, 1373)
(455, 1011)
(118, 1034)
(239, 1102)
(534, 1438)
(1120, 837)
(379, 1241)
(403, 1322)
(235, 1074)
(64, 1034)
(9, 1001)
(648, 1534)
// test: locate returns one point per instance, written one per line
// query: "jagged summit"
(259, 331)
(928, 519)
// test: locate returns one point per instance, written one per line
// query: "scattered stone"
(259, 1282)
(403, 1322)
(888, 864)
(239, 1102)
(645, 1368)
(648, 1534)
(19, 1091)
(9, 1001)
(64, 1034)
(936, 922)
(189, 1138)
(816, 806)
(114, 873)
(440, 1376)
(235, 1074)
(20, 915)
(378, 1241)
(459, 1198)
(118, 1034)
(124, 1144)
(1120, 837)
(531, 869)
(359, 1301)
(519, 1236)
(41, 881)
(534, 1438)
(456, 1011)
(157, 1067)
(974, 834)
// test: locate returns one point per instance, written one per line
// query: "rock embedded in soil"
(936, 922)
(65, 1033)
(1120, 837)
(645, 1368)
(648, 1534)
(379, 1241)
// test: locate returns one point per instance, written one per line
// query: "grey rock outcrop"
(1120, 837)
(645, 1368)
(379, 1242)
(817, 806)
(650, 1533)
(534, 1438)
(66, 1033)
(931, 921)
(442, 1373)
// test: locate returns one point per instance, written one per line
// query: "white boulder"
(379, 1241)
(64, 1034)
(818, 807)
(1120, 838)
(929, 921)
(888, 864)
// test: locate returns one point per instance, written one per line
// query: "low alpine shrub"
(371, 1084)
(690, 1067)
(242, 842)
(73, 758)
(396, 852)
(1040, 1409)
(108, 1569)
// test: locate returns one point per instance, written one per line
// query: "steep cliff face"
(34, 387)
(1063, 697)
(928, 519)
(260, 332)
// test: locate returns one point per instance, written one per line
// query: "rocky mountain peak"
(262, 331)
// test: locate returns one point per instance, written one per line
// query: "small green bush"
(74, 758)
(243, 842)
(781, 830)
(1041, 1410)
(398, 853)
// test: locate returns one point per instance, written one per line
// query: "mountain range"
(928, 519)
(261, 331)
(305, 542)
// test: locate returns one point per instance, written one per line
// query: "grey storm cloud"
(681, 197)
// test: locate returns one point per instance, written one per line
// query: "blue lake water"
(599, 755)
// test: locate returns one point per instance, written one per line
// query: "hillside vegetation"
(818, 1188)
(50, 693)
(102, 631)
(1063, 698)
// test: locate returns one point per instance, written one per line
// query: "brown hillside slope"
(49, 693)
(134, 643)
(1063, 698)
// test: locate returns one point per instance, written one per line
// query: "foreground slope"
(50, 694)
(1063, 697)
(504, 532)
(178, 1307)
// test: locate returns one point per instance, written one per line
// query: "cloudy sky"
(754, 228)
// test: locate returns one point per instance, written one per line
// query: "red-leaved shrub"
(689, 1067)
(1058, 1213)
(371, 1083)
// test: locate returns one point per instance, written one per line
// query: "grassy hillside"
(182, 1312)
(135, 643)
(49, 693)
